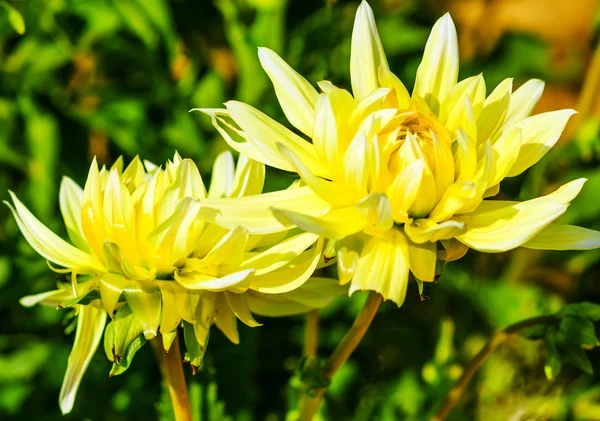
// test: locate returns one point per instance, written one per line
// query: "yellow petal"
(221, 183)
(494, 111)
(296, 96)
(325, 135)
(225, 319)
(239, 305)
(317, 292)
(49, 245)
(144, 300)
(356, 167)
(377, 211)
(188, 184)
(539, 134)
(453, 250)
(249, 177)
(134, 174)
(453, 107)
(70, 199)
(402, 193)
(265, 133)
(335, 225)
(170, 318)
(292, 275)
(366, 55)
(92, 214)
(326, 190)
(455, 198)
(423, 230)
(468, 155)
(444, 165)
(383, 267)
(254, 212)
(111, 288)
(387, 79)
(229, 250)
(506, 151)
(90, 326)
(523, 101)
(423, 259)
(198, 281)
(497, 226)
(564, 237)
(438, 71)
(280, 254)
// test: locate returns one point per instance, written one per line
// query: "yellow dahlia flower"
(399, 180)
(140, 253)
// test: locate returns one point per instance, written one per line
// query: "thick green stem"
(171, 369)
(342, 352)
(496, 340)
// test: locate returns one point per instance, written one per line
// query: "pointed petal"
(387, 79)
(523, 101)
(335, 225)
(254, 212)
(453, 107)
(494, 111)
(265, 133)
(198, 281)
(383, 267)
(423, 259)
(377, 211)
(170, 318)
(438, 71)
(366, 54)
(90, 326)
(497, 226)
(423, 230)
(539, 134)
(402, 193)
(70, 199)
(222, 180)
(325, 135)
(225, 319)
(111, 288)
(239, 305)
(326, 190)
(49, 245)
(296, 96)
(564, 237)
(280, 254)
(249, 177)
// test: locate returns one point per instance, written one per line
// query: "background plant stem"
(171, 369)
(311, 333)
(497, 339)
(363, 320)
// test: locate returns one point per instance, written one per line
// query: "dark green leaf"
(577, 330)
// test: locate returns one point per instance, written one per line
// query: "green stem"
(171, 369)
(342, 352)
(496, 340)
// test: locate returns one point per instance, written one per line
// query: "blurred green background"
(105, 78)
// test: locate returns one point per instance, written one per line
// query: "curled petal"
(564, 237)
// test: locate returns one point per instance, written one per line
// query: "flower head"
(405, 177)
(141, 254)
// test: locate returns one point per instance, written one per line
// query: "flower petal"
(564, 237)
(335, 225)
(366, 55)
(292, 275)
(249, 178)
(438, 71)
(494, 111)
(144, 300)
(222, 179)
(254, 212)
(265, 133)
(70, 199)
(239, 305)
(198, 281)
(422, 258)
(90, 326)
(296, 96)
(49, 245)
(383, 267)
(497, 226)
(523, 101)
(423, 230)
(539, 134)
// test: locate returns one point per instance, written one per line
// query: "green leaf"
(124, 363)
(585, 309)
(553, 362)
(14, 17)
(576, 356)
(577, 330)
